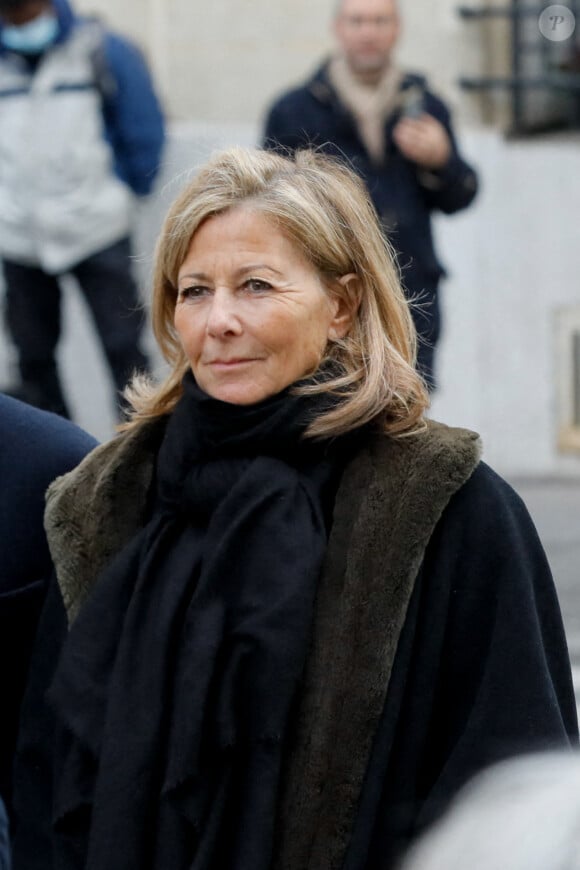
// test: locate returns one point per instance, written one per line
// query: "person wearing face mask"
(385, 121)
(82, 135)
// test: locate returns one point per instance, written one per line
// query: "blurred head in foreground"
(522, 814)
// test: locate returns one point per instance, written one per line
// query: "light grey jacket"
(60, 200)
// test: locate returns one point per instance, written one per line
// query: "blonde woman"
(301, 615)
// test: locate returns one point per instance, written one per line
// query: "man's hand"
(423, 140)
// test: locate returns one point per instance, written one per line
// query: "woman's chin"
(238, 394)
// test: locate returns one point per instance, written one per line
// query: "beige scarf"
(370, 105)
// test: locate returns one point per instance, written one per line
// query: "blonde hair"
(322, 207)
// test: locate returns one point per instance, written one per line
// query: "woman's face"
(252, 313)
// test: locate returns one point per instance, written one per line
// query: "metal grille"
(544, 80)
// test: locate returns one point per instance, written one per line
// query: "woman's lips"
(230, 363)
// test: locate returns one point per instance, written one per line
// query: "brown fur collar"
(391, 496)
(93, 511)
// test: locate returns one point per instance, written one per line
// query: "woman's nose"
(223, 316)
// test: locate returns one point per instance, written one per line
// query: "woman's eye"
(257, 285)
(189, 293)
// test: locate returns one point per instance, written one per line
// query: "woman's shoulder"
(488, 519)
(488, 495)
(485, 550)
(424, 468)
(439, 470)
(394, 491)
(432, 441)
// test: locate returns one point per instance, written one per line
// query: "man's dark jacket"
(35, 448)
(403, 196)
(437, 644)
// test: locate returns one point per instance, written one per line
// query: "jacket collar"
(320, 86)
(92, 512)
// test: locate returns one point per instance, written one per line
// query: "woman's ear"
(346, 301)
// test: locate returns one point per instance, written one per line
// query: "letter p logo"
(557, 23)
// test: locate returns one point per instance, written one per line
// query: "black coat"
(404, 197)
(35, 447)
(437, 644)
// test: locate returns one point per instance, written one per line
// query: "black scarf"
(176, 683)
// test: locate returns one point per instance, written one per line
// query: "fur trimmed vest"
(391, 496)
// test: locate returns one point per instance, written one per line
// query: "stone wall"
(225, 60)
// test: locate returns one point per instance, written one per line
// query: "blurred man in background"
(398, 136)
(82, 132)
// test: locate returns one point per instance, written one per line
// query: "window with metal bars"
(542, 78)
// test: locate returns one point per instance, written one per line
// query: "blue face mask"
(32, 37)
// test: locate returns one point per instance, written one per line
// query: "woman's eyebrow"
(253, 266)
(196, 276)
(244, 270)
